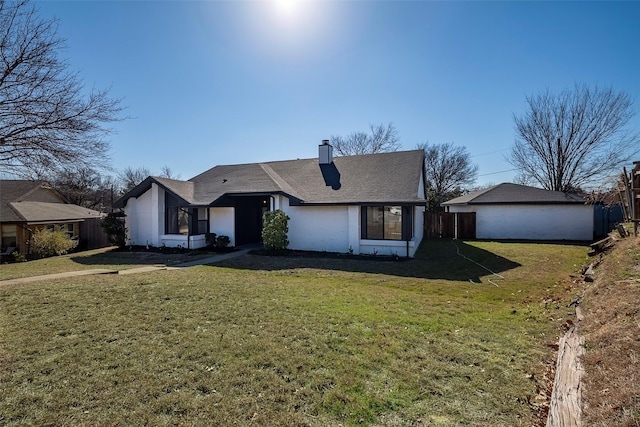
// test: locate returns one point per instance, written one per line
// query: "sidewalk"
(145, 269)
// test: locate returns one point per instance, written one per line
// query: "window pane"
(183, 222)
(9, 233)
(393, 222)
(375, 221)
(172, 221)
(203, 214)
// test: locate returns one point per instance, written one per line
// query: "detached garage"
(512, 211)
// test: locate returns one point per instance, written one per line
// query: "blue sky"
(224, 82)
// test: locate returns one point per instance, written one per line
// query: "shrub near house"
(45, 243)
(274, 231)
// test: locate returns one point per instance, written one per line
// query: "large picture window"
(386, 223)
(184, 220)
(177, 221)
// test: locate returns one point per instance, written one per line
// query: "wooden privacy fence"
(92, 235)
(450, 225)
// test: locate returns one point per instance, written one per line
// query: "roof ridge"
(279, 181)
(16, 211)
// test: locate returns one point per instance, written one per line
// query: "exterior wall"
(180, 240)
(421, 185)
(337, 229)
(418, 226)
(145, 218)
(318, 228)
(222, 221)
(532, 222)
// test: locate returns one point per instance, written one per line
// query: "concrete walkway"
(145, 269)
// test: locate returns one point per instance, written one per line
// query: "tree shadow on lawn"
(436, 259)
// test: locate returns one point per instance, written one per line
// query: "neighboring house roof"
(37, 201)
(507, 193)
(53, 212)
(371, 178)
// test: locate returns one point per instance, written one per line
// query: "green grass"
(108, 258)
(290, 341)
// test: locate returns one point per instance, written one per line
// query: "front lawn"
(110, 258)
(293, 341)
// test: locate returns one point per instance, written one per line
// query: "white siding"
(418, 225)
(222, 221)
(532, 222)
(145, 217)
(318, 228)
(337, 229)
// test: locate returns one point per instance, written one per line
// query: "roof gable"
(37, 201)
(508, 193)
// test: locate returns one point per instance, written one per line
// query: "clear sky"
(225, 82)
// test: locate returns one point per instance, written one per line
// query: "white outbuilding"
(518, 212)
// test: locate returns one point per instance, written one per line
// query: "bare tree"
(85, 187)
(448, 170)
(130, 177)
(167, 172)
(382, 139)
(47, 119)
(575, 138)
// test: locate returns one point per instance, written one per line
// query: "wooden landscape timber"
(565, 405)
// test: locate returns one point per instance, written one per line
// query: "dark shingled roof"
(370, 178)
(507, 193)
(53, 212)
(37, 201)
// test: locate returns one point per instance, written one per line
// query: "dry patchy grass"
(289, 341)
(611, 394)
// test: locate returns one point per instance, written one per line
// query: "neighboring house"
(367, 204)
(27, 205)
(512, 211)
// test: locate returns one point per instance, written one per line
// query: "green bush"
(275, 229)
(211, 239)
(113, 225)
(214, 241)
(222, 241)
(45, 243)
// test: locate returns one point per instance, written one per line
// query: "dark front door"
(249, 212)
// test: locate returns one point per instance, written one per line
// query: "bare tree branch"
(167, 172)
(448, 170)
(574, 139)
(46, 121)
(382, 139)
(130, 177)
